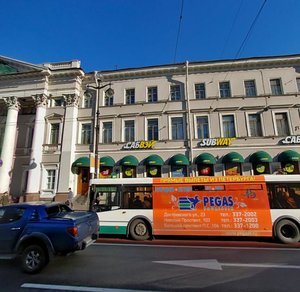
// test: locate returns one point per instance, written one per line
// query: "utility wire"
(178, 31)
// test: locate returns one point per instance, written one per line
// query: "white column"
(66, 177)
(8, 147)
(34, 173)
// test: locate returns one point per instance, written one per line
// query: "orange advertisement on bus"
(225, 206)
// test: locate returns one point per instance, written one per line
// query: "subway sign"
(212, 142)
(142, 145)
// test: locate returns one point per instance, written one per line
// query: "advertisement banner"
(216, 209)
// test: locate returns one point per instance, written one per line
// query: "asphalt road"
(147, 267)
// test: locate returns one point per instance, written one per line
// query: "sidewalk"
(81, 203)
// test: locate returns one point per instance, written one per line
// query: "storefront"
(289, 160)
(233, 163)
(205, 164)
(261, 162)
(128, 165)
(179, 164)
(153, 165)
(106, 166)
(81, 167)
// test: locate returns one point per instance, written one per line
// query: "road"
(120, 267)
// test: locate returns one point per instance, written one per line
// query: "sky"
(119, 34)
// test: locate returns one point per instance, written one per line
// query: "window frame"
(171, 127)
(102, 128)
(222, 89)
(201, 93)
(151, 94)
(280, 87)
(249, 126)
(174, 93)
(196, 126)
(147, 128)
(80, 141)
(129, 98)
(221, 125)
(288, 120)
(124, 131)
(252, 88)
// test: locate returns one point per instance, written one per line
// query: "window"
(87, 101)
(107, 132)
(2, 130)
(200, 91)
(298, 84)
(129, 131)
(59, 101)
(108, 100)
(228, 126)
(86, 134)
(175, 92)
(202, 127)
(51, 179)
(250, 88)
(152, 129)
(255, 125)
(282, 124)
(130, 96)
(54, 133)
(152, 94)
(177, 128)
(276, 87)
(225, 89)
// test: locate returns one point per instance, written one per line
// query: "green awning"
(205, 158)
(260, 156)
(81, 162)
(289, 156)
(179, 159)
(154, 160)
(129, 160)
(233, 157)
(107, 161)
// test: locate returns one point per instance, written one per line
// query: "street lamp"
(109, 93)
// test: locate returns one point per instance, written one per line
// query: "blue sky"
(117, 34)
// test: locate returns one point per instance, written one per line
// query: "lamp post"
(109, 93)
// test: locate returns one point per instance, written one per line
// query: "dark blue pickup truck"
(36, 231)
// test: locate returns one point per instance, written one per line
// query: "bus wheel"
(287, 231)
(139, 230)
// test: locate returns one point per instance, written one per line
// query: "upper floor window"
(298, 84)
(225, 89)
(200, 91)
(255, 125)
(228, 126)
(86, 133)
(276, 88)
(152, 129)
(108, 100)
(129, 131)
(107, 132)
(152, 94)
(282, 124)
(250, 88)
(175, 92)
(177, 128)
(58, 101)
(87, 101)
(54, 133)
(130, 96)
(202, 127)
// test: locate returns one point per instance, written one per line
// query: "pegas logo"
(225, 201)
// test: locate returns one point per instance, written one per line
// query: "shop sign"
(211, 142)
(139, 145)
(291, 140)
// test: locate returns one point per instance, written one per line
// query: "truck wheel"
(287, 231)
(139, 230)
(33, 259)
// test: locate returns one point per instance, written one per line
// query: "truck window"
(11, 214)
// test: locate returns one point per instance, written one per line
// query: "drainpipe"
(189, 121)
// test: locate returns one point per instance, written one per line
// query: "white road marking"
(76, 288)
(213, 264)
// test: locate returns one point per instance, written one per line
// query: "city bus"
(141, 208)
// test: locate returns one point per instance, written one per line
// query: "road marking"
(212, 264)
(76, 288)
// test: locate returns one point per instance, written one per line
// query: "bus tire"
(287, 231)
(139, 230)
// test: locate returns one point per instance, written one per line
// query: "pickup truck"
(36, 231)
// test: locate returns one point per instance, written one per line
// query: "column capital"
(40, 100)
(71, 99)
(12, 102)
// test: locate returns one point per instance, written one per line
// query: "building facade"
(227, 117)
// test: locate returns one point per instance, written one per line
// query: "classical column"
(9, 142)
(66, 177)
(35, 169)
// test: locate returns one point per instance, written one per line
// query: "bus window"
(137, 197)
(284, 196)
(106, 198)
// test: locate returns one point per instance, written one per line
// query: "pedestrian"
(70, 197)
